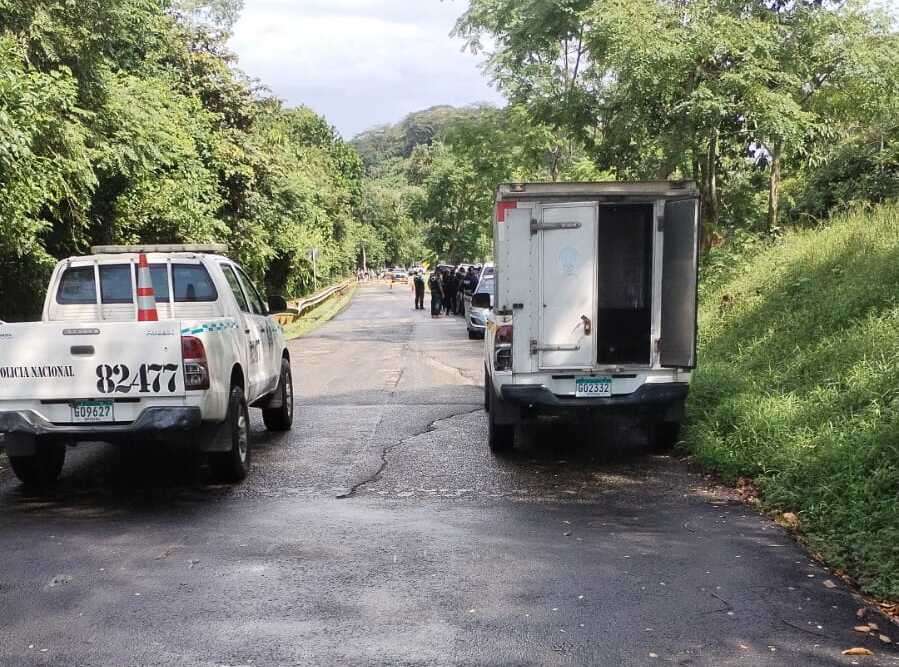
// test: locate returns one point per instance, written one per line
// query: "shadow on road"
(608, 442)
(102, 480)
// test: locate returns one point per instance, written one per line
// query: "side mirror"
(480, 300)
(277, 304)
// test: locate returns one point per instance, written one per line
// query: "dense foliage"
(782, 112)
(443, 165)
(125, 121)
(767, 104)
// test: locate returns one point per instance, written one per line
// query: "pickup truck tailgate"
(67, 360)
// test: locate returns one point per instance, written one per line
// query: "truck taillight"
(196, 368)
(502, 348)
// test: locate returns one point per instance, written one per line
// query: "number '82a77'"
(118, 379)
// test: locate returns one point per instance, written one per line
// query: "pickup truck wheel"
(41, 469)
(500, 437)
(232, 466)
(487, 390)
(281, 419)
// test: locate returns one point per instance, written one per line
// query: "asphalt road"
(381, 531)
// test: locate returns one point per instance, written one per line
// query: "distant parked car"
(477, 317)
(399, 275)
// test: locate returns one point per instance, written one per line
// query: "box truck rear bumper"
(151, 420)
(660, 400)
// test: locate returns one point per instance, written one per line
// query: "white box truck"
(595, 305)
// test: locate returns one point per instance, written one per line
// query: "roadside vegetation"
(316, 317)
(431, 179)
(798, 385)
(126, 120)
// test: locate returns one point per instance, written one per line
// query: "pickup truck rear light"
(502, 348)
(196, 368)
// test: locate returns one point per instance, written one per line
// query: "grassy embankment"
(798, 386)
(318, 316)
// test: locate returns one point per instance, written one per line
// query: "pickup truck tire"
(487, 391)
(500, 437)
(281, 418)
(232, 466)
(42, 468)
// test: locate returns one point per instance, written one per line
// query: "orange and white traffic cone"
(146, 297)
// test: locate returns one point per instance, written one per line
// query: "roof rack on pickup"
(207, 248)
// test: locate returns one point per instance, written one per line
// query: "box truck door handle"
(547, 226)
(588, 325)
(537, 347)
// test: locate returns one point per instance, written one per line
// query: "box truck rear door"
(567, 240)
(680, 267)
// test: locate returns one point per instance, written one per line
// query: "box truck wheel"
(41, 469)
(665, 435)
(232, 465)
(500, 437)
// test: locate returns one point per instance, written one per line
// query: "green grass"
(317, 317)
(798, 386)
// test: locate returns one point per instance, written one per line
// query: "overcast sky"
(360, 63)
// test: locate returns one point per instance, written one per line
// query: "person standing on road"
(418, 284)
(435, 284)
(471, 281)
(449, 293)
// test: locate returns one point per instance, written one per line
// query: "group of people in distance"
(448, 285)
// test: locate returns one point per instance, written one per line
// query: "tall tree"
(454, 206)
(539, 57)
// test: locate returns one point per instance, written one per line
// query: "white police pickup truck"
(89, 371)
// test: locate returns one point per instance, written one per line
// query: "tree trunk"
(554, 165)
(712, 175)
(711, 208)
(773, 189)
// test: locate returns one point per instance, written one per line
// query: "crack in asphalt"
(431, 360)
(408, 346)
(387, 449)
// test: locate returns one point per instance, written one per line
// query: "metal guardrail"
(300, 307)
